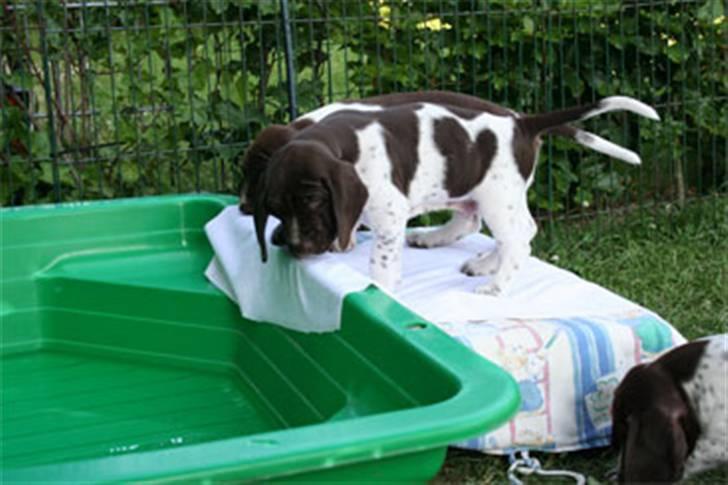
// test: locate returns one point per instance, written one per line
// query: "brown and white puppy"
(274, 137)
(399, 161)
(670, 418)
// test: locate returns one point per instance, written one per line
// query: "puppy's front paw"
(387, 283)
(482, 265)
(385, 277)
(336, 246)
(491, 289)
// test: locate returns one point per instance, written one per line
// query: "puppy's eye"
(312, 200)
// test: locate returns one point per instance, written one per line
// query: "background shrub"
(112, 99)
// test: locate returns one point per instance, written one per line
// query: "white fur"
(321, 113)
(623, 103)
(386, 210)
(707, 392)
(606, 147)
(294, 235)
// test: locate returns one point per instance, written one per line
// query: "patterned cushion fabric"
(567, 370)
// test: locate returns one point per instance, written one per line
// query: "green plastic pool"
(121, 362)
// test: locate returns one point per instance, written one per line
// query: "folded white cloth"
(304, 295)
(307, 294)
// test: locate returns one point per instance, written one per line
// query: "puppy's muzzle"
(298, 249)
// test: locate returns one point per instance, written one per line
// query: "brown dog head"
(654, 426)
(317, 197)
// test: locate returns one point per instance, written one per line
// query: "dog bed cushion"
(566, 341)
(567, 370)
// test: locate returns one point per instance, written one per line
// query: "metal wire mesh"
(103, 99)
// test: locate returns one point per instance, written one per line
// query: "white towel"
(304, 295)
(307, 294)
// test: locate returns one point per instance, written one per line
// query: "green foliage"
(159, 98)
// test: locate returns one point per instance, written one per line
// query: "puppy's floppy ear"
(627, 397)
(684, 432)
(260, 217)
(659, 444)
(676, 428)
(678, 444)
(256, 161)
(653, 426)
(619, 421)
(348, 196)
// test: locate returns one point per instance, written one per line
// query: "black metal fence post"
(49, 102)
(290, 60)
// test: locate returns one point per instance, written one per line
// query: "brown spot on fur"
(401, 137)
(525, 148)
(338, 133)
(399, 128)
(467, 162)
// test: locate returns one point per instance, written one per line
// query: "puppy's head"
(256, 160)
(654, 429)
(317, 197)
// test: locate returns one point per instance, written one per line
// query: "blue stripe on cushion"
(604, 348)
(580, 364)
(593, 358)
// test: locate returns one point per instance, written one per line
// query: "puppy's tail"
(556, 122)
(597, 143)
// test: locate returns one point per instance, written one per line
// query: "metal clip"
(525, 465)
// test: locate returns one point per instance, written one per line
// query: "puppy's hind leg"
(461, 225)
(513, 233)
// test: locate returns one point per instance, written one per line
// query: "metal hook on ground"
(522, 463)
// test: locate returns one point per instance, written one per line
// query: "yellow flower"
(385, 13)
(719, 20)
(435, 25)
(671, 42)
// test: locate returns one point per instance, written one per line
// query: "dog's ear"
(652, 426)
(256, 160)
(679, 447)
(684, 432)
(260, 217)
(619, 421)
(348, 196)
(663, 431)
(628, 396)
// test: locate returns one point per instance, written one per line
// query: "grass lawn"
(673, 261)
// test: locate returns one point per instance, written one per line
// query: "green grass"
(670, 260)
